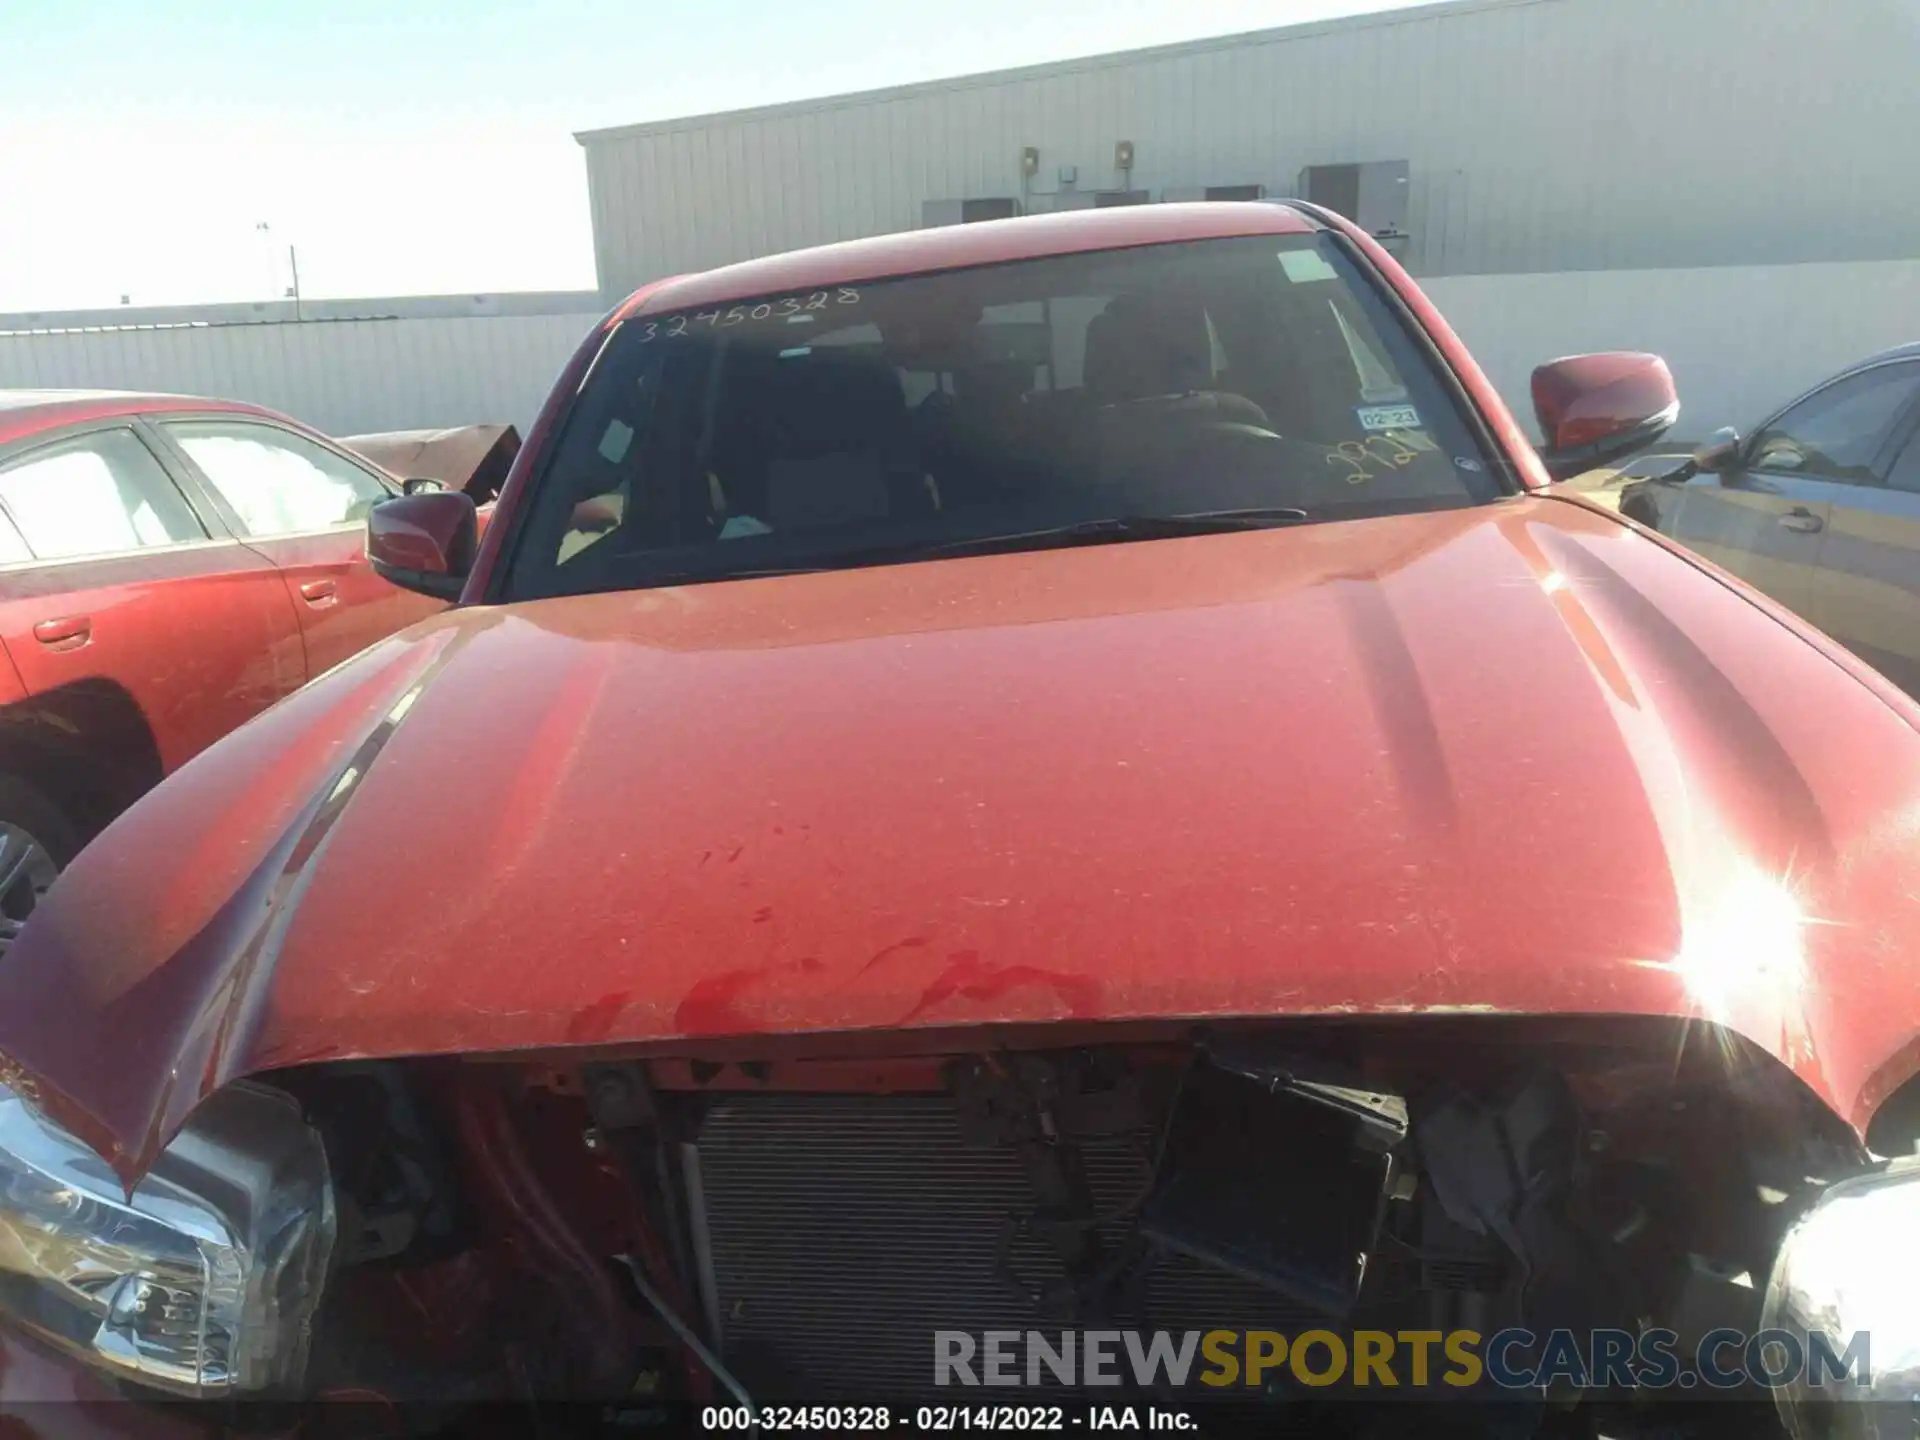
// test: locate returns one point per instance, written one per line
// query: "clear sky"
(426, 146)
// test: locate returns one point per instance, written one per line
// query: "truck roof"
(953, 247)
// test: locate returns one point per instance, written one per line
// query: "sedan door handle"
(317, 592)
(1802, 520)
(69, 632)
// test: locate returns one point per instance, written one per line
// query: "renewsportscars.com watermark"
(1229, 1361)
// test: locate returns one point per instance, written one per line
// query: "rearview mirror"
(1718, 451)
(424, 542)
(1596, 408)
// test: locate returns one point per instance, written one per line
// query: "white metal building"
(1539, 135)
(1732, 182)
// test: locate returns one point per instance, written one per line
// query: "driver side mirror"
(424, 541)
(1596, 408)
(1719, 452)
(420, 485)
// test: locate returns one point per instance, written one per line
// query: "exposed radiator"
(844, 1230)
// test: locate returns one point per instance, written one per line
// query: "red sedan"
(1023, 795)
(169, 567)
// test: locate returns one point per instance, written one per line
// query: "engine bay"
(623, 1234)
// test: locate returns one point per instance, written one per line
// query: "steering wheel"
(1216, 408)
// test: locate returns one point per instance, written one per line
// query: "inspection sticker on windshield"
(1387, 417)
(1303, 267)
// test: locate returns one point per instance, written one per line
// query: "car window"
(13, 548)
(277, 482)
(1835, 433)
(97, 494)
(1905, 471)
(879, 423)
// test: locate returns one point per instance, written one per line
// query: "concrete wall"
(1742, 340)
(1542, 135)
(277, 312)
(342, 376)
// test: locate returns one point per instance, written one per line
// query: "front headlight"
(205, 1283)
(1846, 1294)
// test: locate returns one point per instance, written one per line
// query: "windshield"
(1065, 400)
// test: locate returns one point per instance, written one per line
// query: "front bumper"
(45, 1394)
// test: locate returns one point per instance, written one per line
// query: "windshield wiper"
(1108, 530)
(1118, 528)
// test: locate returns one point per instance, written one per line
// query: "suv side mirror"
(420, 485)
(1719, 452)
(1596, 408)
(424, 541)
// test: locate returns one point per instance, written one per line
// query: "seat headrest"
(828, 402)
(1143, 345)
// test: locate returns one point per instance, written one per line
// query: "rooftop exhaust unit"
(1087, 200)
(967, 212)
(1213, 192)
(1372, 195)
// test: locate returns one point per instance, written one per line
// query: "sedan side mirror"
(424, 542)
(421, 485)
(1719, 452)
(1596, 408)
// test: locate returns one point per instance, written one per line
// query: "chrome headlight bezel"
(1848, 1267)
(205, 1282)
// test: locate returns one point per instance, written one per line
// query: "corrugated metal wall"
(1619, 143)
(342, 376)
(1742, 339)
(1739, 338)
(264, 312)
(1543, 135)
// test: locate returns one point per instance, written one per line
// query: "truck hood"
(1516, 759)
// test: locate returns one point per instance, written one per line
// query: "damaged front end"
(958, 1218)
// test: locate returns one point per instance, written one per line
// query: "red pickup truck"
(169, 567)
(1029, 796)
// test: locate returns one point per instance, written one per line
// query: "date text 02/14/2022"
(945, 1419)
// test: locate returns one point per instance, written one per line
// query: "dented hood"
(1516, 758)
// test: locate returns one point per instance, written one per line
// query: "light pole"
(292, 292)
(265, 232)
